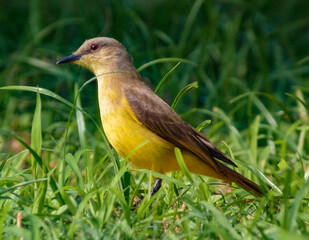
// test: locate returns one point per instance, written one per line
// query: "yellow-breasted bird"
(133, 114)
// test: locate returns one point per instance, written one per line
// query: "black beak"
(69, 59)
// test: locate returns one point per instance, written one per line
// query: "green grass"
(59, 178)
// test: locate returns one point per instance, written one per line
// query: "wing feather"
(160, 118)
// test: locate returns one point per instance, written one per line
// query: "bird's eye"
(94, 47)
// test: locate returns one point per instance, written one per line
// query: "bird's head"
(101, 55)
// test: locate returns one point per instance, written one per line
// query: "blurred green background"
(238, 46)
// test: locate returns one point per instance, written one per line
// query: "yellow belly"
(131, 139)
(134, 142)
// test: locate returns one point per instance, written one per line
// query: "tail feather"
(196, 165)
(242, 181)
(249, 186)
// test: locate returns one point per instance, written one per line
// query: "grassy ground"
(59, 179)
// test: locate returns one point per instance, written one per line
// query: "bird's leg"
(155, 189)
(156, 186)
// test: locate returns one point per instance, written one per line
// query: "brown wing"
(161, 119)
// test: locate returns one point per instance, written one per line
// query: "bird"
(141, 126)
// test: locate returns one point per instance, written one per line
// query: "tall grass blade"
(293, 211)
(38, 159)
(185, 90)
(189, 23)
(165, 77)
(183, 165)
(36, 133)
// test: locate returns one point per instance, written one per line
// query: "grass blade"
(81, 126)
(293, 211)
(36, 133)
(162, 60)
(203, 124)
(40, 162)
(185, 90)
(165, 77)
(183, 165)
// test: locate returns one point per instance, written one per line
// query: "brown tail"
(243, 182)
(196, 165)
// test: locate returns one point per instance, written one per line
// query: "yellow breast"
(127, 135)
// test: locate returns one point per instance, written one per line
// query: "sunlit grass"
(59, 178)
(78, 192)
